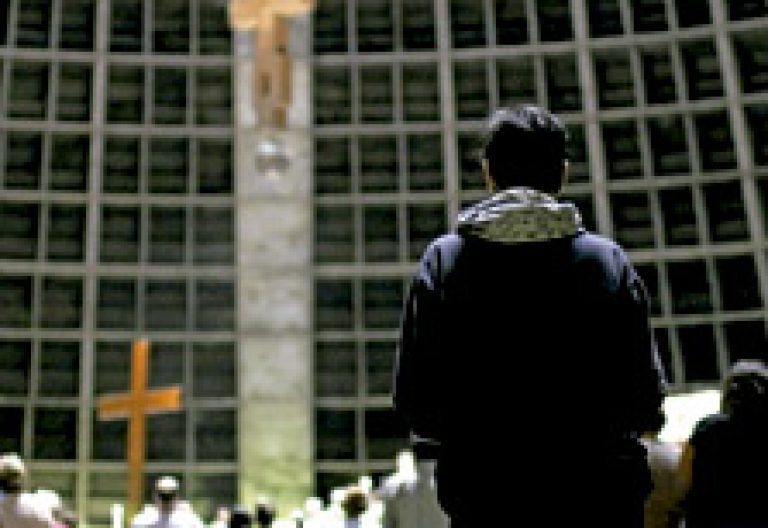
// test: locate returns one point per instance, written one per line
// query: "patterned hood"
(518, 215)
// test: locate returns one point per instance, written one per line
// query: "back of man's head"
(12, 473)
(525, 146)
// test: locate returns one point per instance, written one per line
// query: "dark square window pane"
(216, 435)
(335, 435)
(168, 165)
(74, 92)
(119, 234)
(697, 344)
(516, 81)
(214, 489)
(418, 25)
(622, 150)
(467, 23)
(15, 358)
(170, 96)
(425, 222)
(562, 83)
(743, 9)
(332, 95)
(421, 97)
(632, 220)
(28, 97)
(425, 162)
(330, 26)
(382, 303)
(554, 20)
(61, 303)
(752, 55)
(614, 79)
(692, 13)
(470, 174)
(385, 434)
(167, 234)
(511, 22)
(649, 273)
(167, 437)
(165, 305)
(716, 148)
(679, 217)
(375, 31)
(689, 285)
(214, 370)
(725, 211)
(5, 8)
(648, 15)
(116, 304)
(578, 164)
(333, 305)
(170, 26)
(702, 69)
(33, 27)
(121, 164)
(379, 367)
(380, 230)
(470, 80)
(23, 159)
(213, 96)
(669, 148)
(604, 18)
(109, 439)
(15, 301)
(112, 367)
(12, 419)
(335, 368)
(18, 237)
(55, 434)
(215, 169)
(214, 32)
(214, 305)
(214, 241)
(70, 156)
(59, 368)
(126, 25)
(333, 170)
(77, 24)
(739, 287)
(379, 167)
(658, 77)
(757, 119)
(334, 234)
(746, 340)
(376, 94)
(166, 364)
(125, 94)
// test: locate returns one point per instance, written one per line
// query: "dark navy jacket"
(532, 361)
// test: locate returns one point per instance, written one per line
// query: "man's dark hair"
(525, 146)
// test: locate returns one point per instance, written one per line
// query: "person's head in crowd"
(355, 502)
(745, 390)
(240, 517)
(264, 513)
(166, 493)
(524, 146)
(12, 473)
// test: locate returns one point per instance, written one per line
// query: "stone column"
(274, 226)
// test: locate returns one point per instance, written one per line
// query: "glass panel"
(121, 164)
(28, 97)
(379, 167)
(335, 435)
(70, 157)
(650, 276)
(380, 232)
(692, 13)
(333, 305)
(109, 439)
(167, 437)
(116, 305)
(33, 26)
(168, 165)
(66, 233)
(167, 234)
(725, 211)
(385, 434)
(12, 419)
(382, 303)
(214, 33)
(166, 364)
(679, 217)
(425, 222)
(15, 301)
(713, 132)
(554, 20)
(170, 26)
(421, 97)
(702, 69)
(119, 234)
(77, 23)
(516, 81)
(669, 148)
(330, 26)
(216, 435)
(752, 56)
(622, 151)
(61, 303)
(746, 340)
(335, 368)
(165, 305)
(333, 170)
(614, 79)
(5, 7)
(334, 234)
(74, 92)
(126, 25)
(648, 15)
(59, 368)
(562, 83)
(425, 162)
(213, 96)
(743, 9)
(739, 289)
(418, 24)
(214, 370)
(632, 220)
(471, 89)
(214, 305)
(125, 94)
(374, 26)
(332, 95)
(112, 367)
(15, 362)
(757, 119)
(55, 434)
(689, 286)
(511, 22)
(379, 366)
(697, 344)
(604, 18)
(658, 77)
(470, 175)
(170, 96)
(24, 154)
(578, 164)
(214, 235)
(376, 104)
(215, 170)
(18, 238)
(467, 24)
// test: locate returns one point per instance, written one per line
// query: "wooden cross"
(135, 405)
(272, 72)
